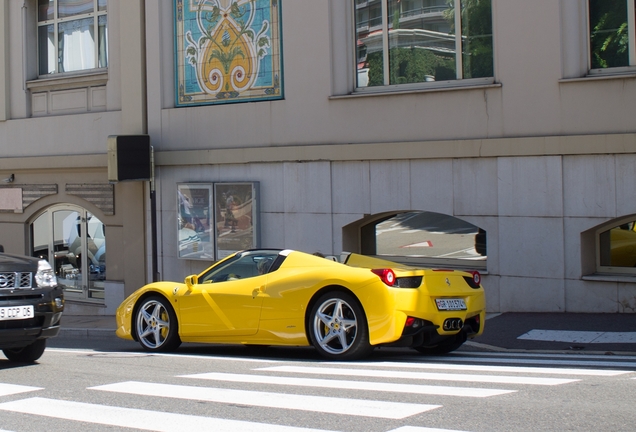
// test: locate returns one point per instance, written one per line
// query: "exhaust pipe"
(453, 324)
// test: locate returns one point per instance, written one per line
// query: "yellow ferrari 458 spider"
(285, 297)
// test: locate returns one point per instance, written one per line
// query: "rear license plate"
(450, 304)
(16, 313)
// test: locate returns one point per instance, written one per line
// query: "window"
(72, 35)
(617, 247)
(420, 238)
(611, 35)
(416, 42)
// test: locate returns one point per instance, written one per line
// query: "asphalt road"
(95, 383)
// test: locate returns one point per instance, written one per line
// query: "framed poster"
(236, 217)
(194, 221)
(227, 51)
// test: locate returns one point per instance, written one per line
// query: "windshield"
(243, 265)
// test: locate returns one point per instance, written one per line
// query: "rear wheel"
(445, 346)
(338, 327)
(27, 354)
(156, 325)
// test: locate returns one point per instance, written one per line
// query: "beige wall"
(481, 153)
(4, 60)
(125, 229)
(39, 148)
(537, 158)
(534, 94)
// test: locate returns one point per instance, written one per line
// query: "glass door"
(68, 250)
(96, 256)
(74, 242)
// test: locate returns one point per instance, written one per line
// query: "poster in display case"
(195, 221)
(236, 217)
(217, 219)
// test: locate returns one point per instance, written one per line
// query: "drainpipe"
(153, 217)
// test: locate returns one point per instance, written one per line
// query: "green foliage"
(410, 65)
(477, 33)
(376, 69)
(609, 39)
(477, 29)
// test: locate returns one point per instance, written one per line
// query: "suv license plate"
(16, 313)
(450, 304)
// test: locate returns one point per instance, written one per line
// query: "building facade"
(357, 129)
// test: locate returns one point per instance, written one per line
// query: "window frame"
(631, 26)
(387, 86)
(611, 270)
(55, 21)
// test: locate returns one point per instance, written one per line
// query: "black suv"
(31, 305)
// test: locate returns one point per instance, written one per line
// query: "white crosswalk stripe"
(501, 379)
(498, 369)
(579, 360)
(11, 389)
(352, 385)
(421, 429)
(136, 418)
(332, 405)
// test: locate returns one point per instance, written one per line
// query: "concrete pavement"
(547, 332)
(569, 332)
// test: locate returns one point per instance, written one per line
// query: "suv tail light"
(386, 275)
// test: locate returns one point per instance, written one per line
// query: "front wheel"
(338, 327)
(156, 325)
(27, 354)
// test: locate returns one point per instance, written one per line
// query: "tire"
(444, 347)
(338, 327)
(156, 325)
(27, 354)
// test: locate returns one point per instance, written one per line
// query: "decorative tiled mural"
(227, 51)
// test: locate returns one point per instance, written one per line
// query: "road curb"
(491, 348)
(84, 333)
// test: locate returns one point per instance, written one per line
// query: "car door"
(225, 302)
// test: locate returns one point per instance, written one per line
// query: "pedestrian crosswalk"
(331, 405)
(137, 418)
(11, 389)
(375, 386)
(361, 389)
(409, 375)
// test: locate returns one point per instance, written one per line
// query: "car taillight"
(476, 277)
(386, 275)
(474, 280)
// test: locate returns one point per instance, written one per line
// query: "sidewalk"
(88, 326)
(562, 332)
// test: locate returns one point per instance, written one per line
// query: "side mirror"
(190, 281)
(1, 248)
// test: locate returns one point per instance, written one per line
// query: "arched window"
(418, 237)
(73, 241)
(616, 246)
